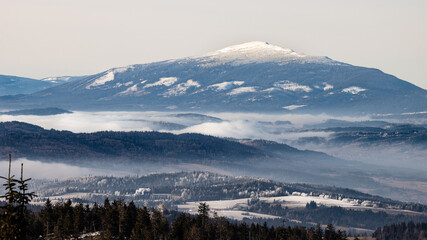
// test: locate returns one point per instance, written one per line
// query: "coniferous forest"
(119, 220)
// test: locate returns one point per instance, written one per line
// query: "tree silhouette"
(13, 215)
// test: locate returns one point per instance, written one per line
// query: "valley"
(256, 131)
(247, 199)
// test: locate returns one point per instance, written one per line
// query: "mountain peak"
(258, 51)
(255, 46)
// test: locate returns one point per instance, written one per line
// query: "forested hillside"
(25, 140)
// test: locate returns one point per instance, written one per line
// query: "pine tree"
(96, 219)
(65, 221)
(107, 225)
(9, 212)
(318, 233)
(13, 220)
(47, 217)
(329, 232)
(160, 225)
(179, 227)
(130, 219)
(143, 228)
(88, 216)
(202, 220)
(24, 198)
(79, 220)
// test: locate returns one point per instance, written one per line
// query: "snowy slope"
(251, 77)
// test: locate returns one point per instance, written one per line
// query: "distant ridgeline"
(13, 85)
(26, 140)
(37, 112)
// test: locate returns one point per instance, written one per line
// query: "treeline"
(118, 220)
(402, 231)
(339, 216)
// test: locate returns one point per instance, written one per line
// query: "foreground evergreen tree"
(47, 217)
(142, 228)
(14, 221)
(9, 228)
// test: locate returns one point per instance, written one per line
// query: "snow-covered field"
(217, 205)
(237, 208)
(233, 209)
(300, 200)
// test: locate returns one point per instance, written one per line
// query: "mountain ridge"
(252, 77)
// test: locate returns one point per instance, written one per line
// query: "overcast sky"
(41, 38)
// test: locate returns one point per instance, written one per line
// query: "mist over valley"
(257, 131)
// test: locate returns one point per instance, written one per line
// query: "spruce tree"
(203, 220)
(47, 217)
(143, 226)
(160, 225)
(130, 219)
(24, 198)
(107, 225)
(9, 213)
(13, 220)
(79, 220)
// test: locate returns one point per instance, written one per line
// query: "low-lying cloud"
(43, 170)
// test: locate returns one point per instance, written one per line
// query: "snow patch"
(327, 87)
(293, 107)
(55, 79)
(353, 90)
(165, 81)
(270, 90)
(130, 90)
(291, 86)
(108, 76)
(242, 90)
(181, 88)
(123, 84)
(122, 69)
(226, 85)
(414, 113)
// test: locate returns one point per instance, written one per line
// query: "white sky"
(41, 38)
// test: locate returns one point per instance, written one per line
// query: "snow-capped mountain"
(255, 76)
